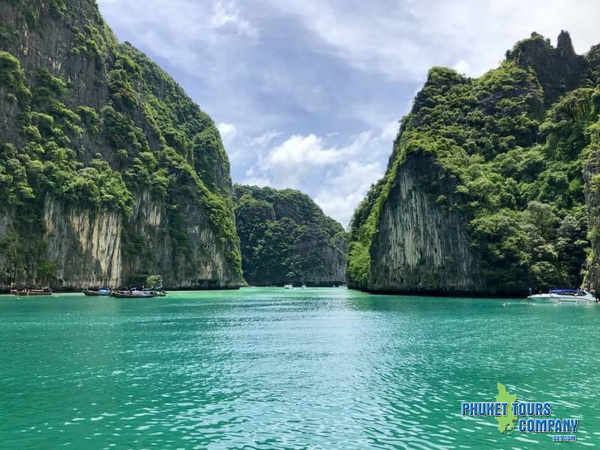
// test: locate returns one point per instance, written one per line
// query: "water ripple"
(267, 369)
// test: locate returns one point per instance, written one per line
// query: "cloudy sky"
(308, 93)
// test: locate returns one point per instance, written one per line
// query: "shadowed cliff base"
(445, 293)
(320, 284)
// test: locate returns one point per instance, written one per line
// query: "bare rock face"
(200, 263)
(108, 171)
(84, 246)
(559, 69)
(422, 244)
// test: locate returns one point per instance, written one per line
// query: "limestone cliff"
(421, 244)
(286, 238)
(486, 191)
(108, 171)
(591, 172)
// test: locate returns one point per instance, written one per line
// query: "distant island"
(286, 239)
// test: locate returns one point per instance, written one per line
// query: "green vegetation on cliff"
(98, 127)
(286, 238)
(513, 145)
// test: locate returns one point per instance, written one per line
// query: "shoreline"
(80, 291)
(438, 293)
(414, 293)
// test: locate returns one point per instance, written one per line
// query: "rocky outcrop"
(559, 69)
(320, 257)
(484, 192)
(592, 176)
(108, 171)
(84, 246)
(591, 173)
(198, 262)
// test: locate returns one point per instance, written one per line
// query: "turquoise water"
(273, 368)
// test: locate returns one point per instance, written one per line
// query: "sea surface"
(274, 368)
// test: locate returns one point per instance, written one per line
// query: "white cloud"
(228, 132)
(462, 67)
(265, 138)
(336, 176)
(390, 131)
(343, 192)
(402, 39)
(226, 14)
(303, 151)
(371, 36)
(299, 158)
(253, 179)
(256, 181)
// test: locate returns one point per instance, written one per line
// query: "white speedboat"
(289, 286)
(564, 296)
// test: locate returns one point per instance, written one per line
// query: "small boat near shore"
(31, 292)
(288, 286)
(564, 296)
(132, 293)
(103, 292)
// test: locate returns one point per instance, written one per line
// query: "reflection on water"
(269, 368)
